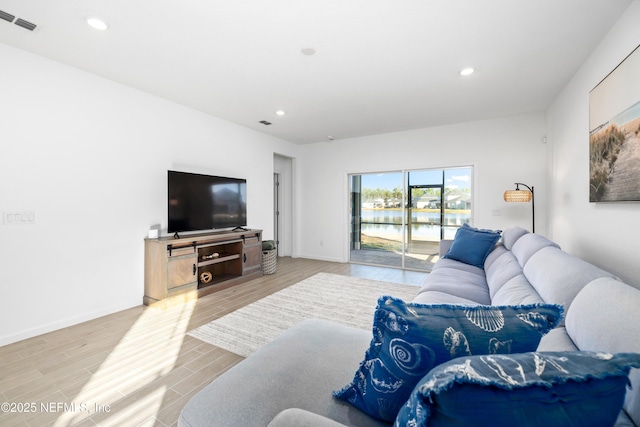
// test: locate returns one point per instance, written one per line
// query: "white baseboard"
(319, 258)
(54, 326)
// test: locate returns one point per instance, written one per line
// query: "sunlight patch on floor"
(148, 351)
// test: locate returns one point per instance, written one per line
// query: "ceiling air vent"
(19, 22)
(6, 16)
(264, 122)
(25, 24)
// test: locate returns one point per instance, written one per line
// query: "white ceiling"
(380, 65)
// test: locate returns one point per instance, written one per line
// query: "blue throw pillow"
(472, 245)
(410, 339)
(530, 389)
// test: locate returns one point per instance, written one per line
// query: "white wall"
(503, 151)
(605, 234)
(90, 158)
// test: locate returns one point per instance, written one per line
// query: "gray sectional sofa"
(290, 381)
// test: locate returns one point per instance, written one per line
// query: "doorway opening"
(283, 182)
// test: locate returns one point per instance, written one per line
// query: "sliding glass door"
(377, 223)
(398, 218)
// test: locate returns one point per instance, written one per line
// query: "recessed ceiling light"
(280, 113)
(97, 23)
(467, 71)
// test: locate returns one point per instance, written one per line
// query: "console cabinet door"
(252, 255)
(181, 271)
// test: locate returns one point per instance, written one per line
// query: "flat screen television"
(203, 202)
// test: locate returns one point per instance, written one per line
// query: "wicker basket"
(269, 261)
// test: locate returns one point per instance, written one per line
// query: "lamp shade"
(518, 196)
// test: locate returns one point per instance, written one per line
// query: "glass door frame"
(409, 207)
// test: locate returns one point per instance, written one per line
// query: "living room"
(89, 156)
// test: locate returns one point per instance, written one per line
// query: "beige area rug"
(342, 299)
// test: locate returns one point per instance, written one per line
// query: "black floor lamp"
(519, 195)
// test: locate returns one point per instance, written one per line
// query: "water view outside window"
(399, 218)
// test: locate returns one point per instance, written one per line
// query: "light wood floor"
(138, 366)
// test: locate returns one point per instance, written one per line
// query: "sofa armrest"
(295, 417)
(445, 244)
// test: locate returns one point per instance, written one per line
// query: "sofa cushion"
(515, 292)
(604, 317)
(529, 244)
(300, 368)
(557, 340)
(410, 339)
(459, 280)
(527, 389)
(472, 245)
(459, 266)
(558, 276)
(497, 251)
(511, 235)
(503, 269)
(439, 297)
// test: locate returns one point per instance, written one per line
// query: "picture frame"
(614, 134)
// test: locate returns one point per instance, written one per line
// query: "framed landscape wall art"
(614, 134)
